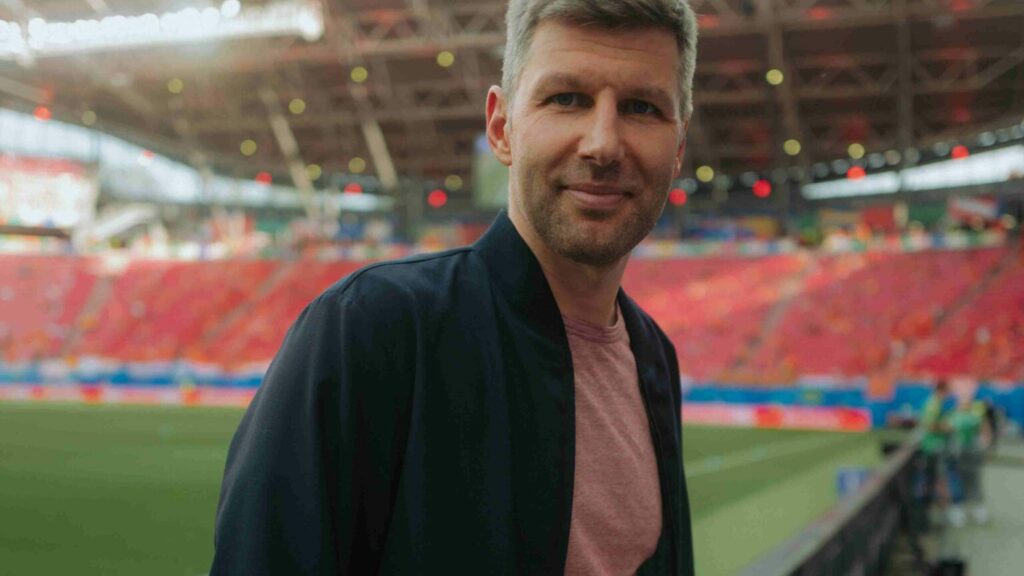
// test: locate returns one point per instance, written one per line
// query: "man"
(934, 424)
(968, 438)
(503, 408)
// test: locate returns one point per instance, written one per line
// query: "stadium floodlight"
(982, 168)
(230, 8)
(990, 167)
(43, 38)
(884, 183)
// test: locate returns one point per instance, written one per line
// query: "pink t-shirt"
(616, 508)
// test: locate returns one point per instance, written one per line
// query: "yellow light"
(297, 106)
(88, 117)
(175, 86)
(314, 171)
(360, 74)
(856, 151)
(248, 147)
(775, 77)
(792, 147)
(705, 174)
(453, 182)
(445, 59)
(357, 165)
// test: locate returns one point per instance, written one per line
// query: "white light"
(884, 183)
(981, 168)
(991, 167)
(211, 17)
(987, 139)
(36, 26)
(230, 9)
(48, 39)
(311, 26)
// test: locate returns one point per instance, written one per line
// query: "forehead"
(640, 57)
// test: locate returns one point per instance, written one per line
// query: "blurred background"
(179, 178)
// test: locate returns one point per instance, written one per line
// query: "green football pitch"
(130, 491)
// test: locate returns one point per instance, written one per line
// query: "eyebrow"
(559, 81)
(565, 81)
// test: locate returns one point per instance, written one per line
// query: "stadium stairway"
(265, 289)
(791, 288)
(971, 296)
(90, 313)
(937, 355)
(882, 381)
(869, 299)
(255, 337)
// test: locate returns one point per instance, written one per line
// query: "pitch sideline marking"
(759, 454)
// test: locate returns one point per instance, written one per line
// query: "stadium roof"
(886, 74)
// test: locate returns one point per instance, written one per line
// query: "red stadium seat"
(40, 299)
(743, 320)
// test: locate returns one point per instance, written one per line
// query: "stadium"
(179, 179)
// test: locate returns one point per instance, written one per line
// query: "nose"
(602, 143)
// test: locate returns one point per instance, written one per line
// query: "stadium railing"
(855, 536)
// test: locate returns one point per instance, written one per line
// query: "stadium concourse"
(180, 178)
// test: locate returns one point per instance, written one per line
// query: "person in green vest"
(934, 423)
(967, 441)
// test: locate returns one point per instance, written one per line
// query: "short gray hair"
(676, 16)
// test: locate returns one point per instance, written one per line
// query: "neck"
(582, 292)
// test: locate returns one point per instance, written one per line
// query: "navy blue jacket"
(420, 419)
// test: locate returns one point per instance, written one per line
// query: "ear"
(681, 151)
(497, 125)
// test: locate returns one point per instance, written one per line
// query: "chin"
(593, 243)
(591, 255)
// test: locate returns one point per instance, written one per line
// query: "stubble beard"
(563, 228)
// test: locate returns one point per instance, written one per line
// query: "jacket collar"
(517, 272)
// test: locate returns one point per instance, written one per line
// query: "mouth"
(598, 196)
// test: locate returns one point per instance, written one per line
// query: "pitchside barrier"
(856, 536)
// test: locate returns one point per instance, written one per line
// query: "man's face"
(593, 138)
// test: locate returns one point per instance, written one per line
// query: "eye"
(566, 100)
(640, 107)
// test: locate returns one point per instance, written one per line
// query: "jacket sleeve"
(307, 490)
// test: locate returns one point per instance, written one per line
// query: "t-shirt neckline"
(596, 333)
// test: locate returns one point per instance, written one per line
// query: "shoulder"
(373, 316)
(395, 284)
